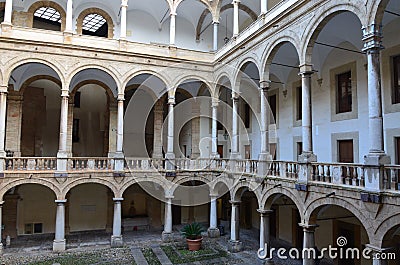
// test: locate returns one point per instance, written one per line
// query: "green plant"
(192, 231)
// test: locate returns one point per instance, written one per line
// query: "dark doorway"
(345, 151)
(220, 150)
(176, 214)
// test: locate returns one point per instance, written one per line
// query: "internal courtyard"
(273, 124)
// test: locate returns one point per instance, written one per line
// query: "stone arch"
(37, 181)
(39, 77)
(316, 25)
(179, 81)
(271, 50)
(384, 228)
(95, 10)
(220, 181)
(375, 15)
(35, 6)
(89, 180)
(15, 63)
(203, 16)
(269, 196)
(180, 181)
(95, 67)
(218, 86)
(314, 206)
(238, 70)
(108, 90)
(131, 75)
(164, 184)
(236, 193)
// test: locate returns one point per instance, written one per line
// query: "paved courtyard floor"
(140, 247)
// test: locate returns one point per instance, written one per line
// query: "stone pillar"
(372, 37)
(62, 155)
(375, 252)
(8, 12)
(235, 4)
(264, 7)
(158, 122)
(172, 29)
(116, 238)
(69, 20)
(215, 35)
(124, 6)
(234, 244)
(307, 152)
(110, 211)
(213, 230)
(265, 120)
(1, 225)
(14, 122)
(214, 131)
(59, 241)
(309, 242)
(264, 232)
(167, 235)
(112, 130)
(119, 155)
(67, 208)
(235, 127)
(170, 144)
(195, 130)
(3, 111)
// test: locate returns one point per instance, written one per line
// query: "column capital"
(235, 203)
(65, 93)
(118, 199)
(265, 84)
(306, 69)
(1, 203)
(124, 3)
(3, 89)
(235, 95)
(372, 38)
(215, 22)
(171, 100)
(215, 103)
(264, 212)
(121, 97)
(61, 201)
(378, 249)
(235, 2)
(172, 13)
(214, 196)
(309, 227)
(169, 197)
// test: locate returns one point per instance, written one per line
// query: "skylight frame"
(93, 22)
(48, 13)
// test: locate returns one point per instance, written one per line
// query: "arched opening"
(391, 242)
(33, 111)
(48, 18)
(224, 118)
(95, 22)
(92, 114)
(28, 215)
(145, 111)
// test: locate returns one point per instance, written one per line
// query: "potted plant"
(192, 233)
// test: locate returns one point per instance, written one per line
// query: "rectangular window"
(272, 105)
(77, 99)
(272, 150)
(246, 115)
(345, 151)
(75, 131)
(299, 109)
(343, 93)
(396, 80)
(299, 146)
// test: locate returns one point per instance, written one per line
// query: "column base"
(213, 232)
(119, 162)
(373, 173)
(167, 237)
(59, 245)
(170, 163)
(117, 241)
(307, 158)
(62, 162)
(6, 26)
(235, 246)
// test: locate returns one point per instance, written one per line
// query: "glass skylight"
(48, 13)
(93, 22)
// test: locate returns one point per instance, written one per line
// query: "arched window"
(48, 18)
(95, 25)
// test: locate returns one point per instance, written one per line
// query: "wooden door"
(345, 151)
(220, 151)
(247, 152)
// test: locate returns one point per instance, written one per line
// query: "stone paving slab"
(138, 256)
(162, 257)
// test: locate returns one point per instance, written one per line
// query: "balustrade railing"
(30, 163)
(339, 173)
(391, 179)
(90, 163)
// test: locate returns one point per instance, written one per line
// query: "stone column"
(264, 7)
(372, 37)
(116, 238)
(309, 242)
(59, 241)
(67, 208)
(119, 155)
(307, 152)
(3, 111)
(167, 235)
(69, 20)
(265, 120)
(62, 155)
(172, 29)
(110, 211)
(213, 230)
(170, 143)
(215, 35)
(8, 12)
(214, 131)
(112, 130)
(1, 225)
(264, 232)
(374, 252)
(235, 127)
(234, 244)
(158, 121)
(195, 130)
(124, 6)
(14, 122)
(235, 4)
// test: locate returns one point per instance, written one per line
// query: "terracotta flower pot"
(194, 244)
